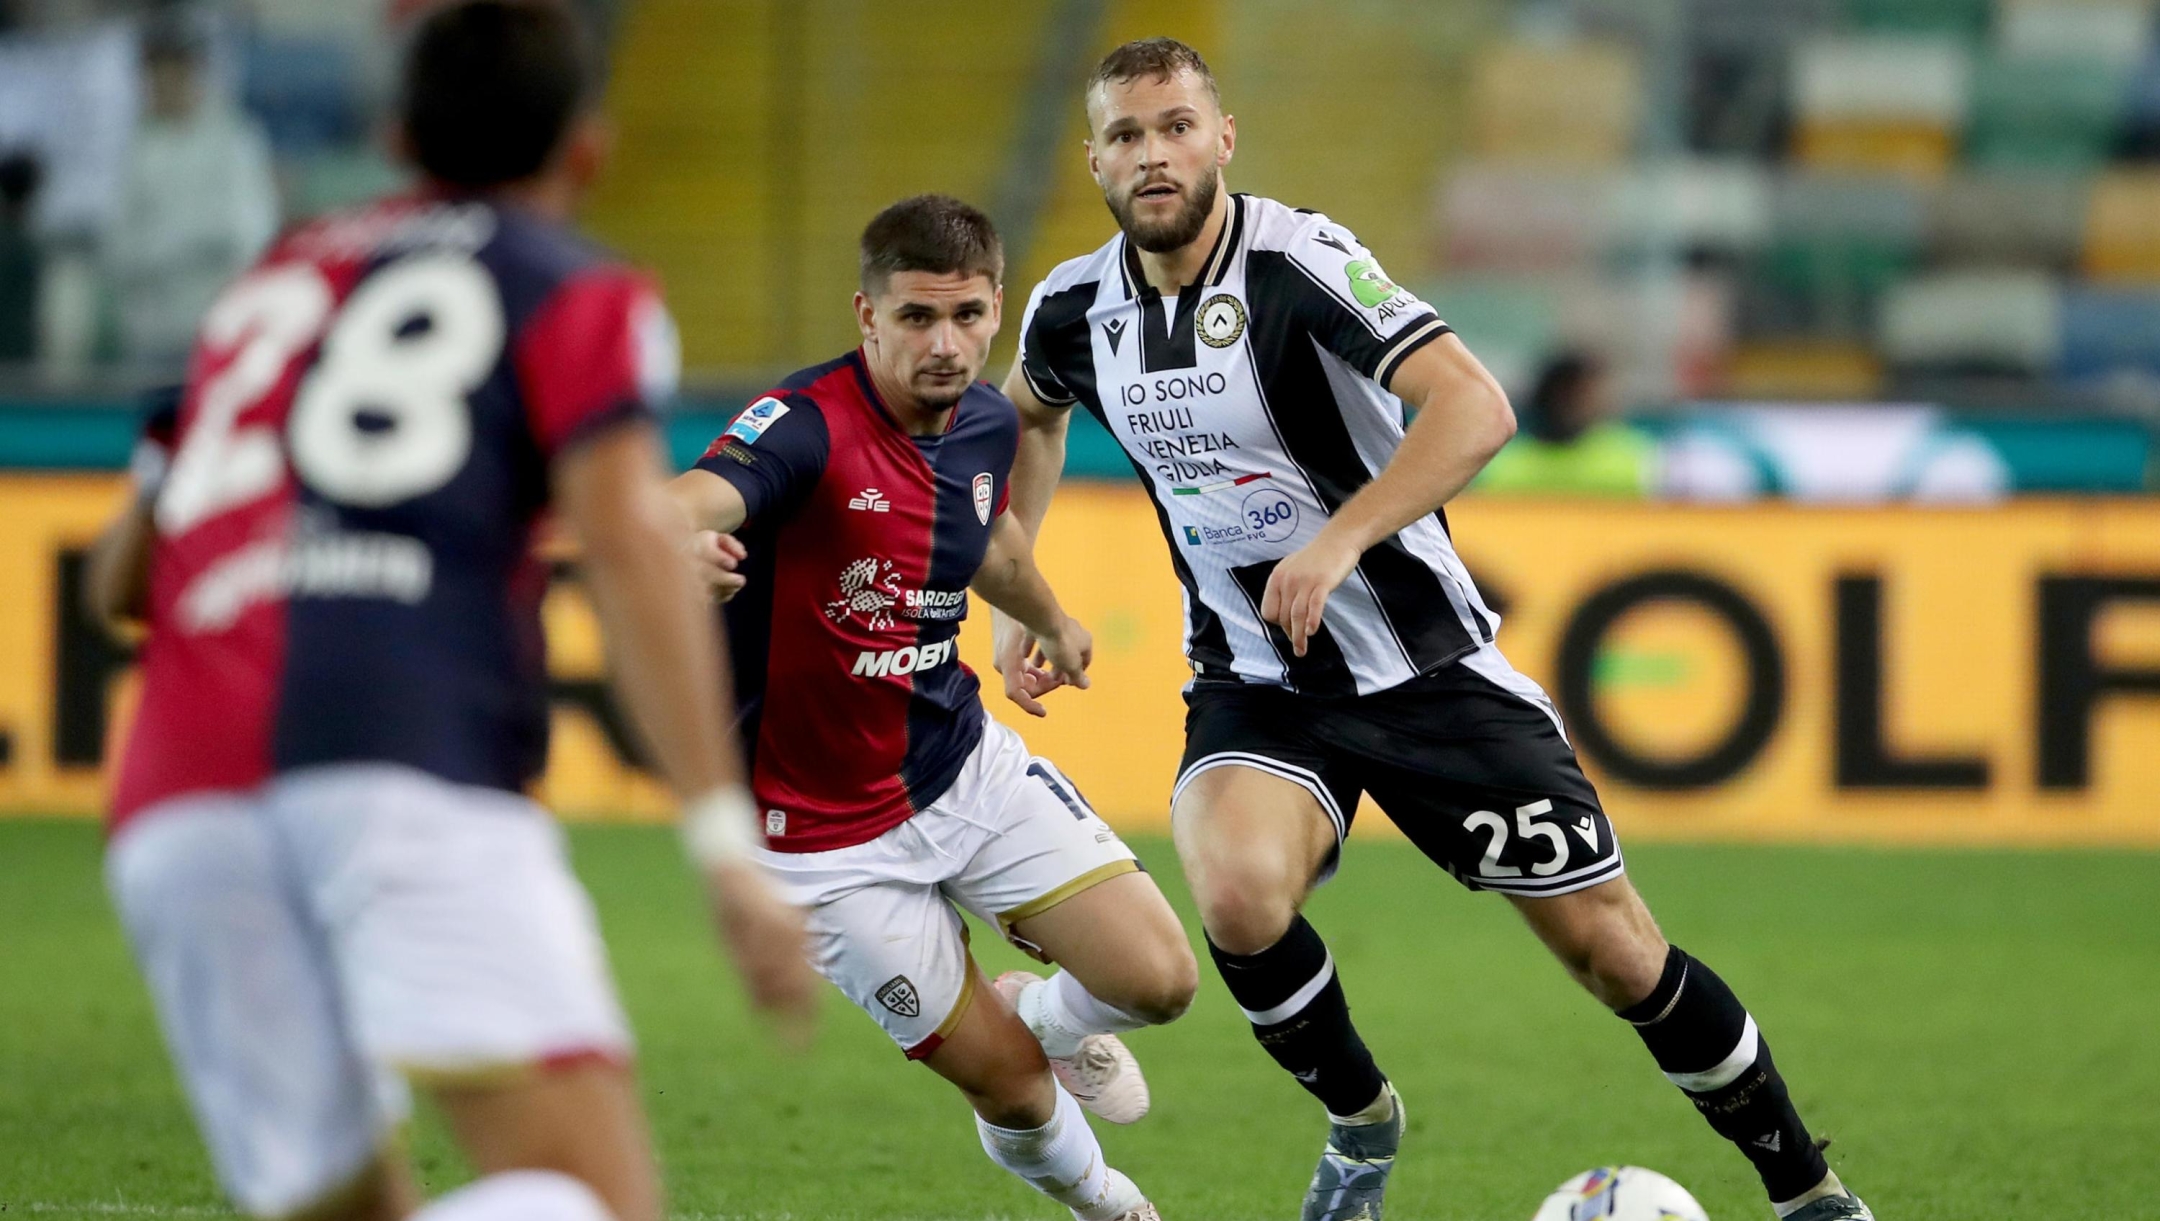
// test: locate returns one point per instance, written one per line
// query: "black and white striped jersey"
(1252, 404)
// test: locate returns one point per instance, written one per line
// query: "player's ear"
(866, 316)
(587, 147)
(1094, 163)
(1228, 144)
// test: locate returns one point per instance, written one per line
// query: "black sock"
(1291, 996)
(1708, 1046)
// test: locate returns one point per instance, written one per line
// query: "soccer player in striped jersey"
(1257, 365)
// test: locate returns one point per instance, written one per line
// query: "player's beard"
(1179, 231)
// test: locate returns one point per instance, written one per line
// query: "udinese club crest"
(1220, 320)
(983, 490)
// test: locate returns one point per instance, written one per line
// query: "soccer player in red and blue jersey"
(321, 846)
(869, 494)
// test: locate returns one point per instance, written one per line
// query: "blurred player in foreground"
(871, 496)
(1256, 363)
(320, 845)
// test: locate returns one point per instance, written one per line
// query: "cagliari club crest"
(982, 497)
(899, 995)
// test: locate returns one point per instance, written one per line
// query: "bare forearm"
(664, 658)
(1015, 586)
(1037, 465)
(116, 585)
(663, 650)
(1425, 474)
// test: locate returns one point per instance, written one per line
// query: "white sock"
(1061, 1013)
(1830, 1186)
(519, 1195)
(1062, 1160)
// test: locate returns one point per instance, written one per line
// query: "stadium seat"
(1839, 242)
(2122, 228)
(1573, 104)
(2111, 31)
(2033, 111)
(1691, 205)
(1513, 218)
(1752, 24)
(1882, 104)
(2013, 218)
(1973, 322)
(1804, 369)
(1962, 18)
(2108, 332)
(307, 93)
(2140, 136)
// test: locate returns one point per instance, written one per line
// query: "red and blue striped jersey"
(862, 540)
(342, 568)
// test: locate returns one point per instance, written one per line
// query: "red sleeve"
(1004, 498)
(600, 349)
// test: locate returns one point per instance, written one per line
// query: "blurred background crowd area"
(1716, 249)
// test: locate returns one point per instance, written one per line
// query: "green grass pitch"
(1976, 1029)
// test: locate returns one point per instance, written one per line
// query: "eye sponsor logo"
(1220, 320)
(1368, 283)
(871, 501)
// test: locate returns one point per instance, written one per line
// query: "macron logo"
(871, 501)
(901, 662)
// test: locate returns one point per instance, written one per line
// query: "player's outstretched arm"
(713, 509)
(666, 666)
(1463, 419)
(1010, 582)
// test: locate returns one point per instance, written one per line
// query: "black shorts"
(1477, 775)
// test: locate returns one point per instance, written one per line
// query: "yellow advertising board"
(1759, 672)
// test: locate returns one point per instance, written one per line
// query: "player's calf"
(561, 1141)
(1701, 1036)
(1027, 1123)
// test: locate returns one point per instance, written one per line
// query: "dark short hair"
(934, 233)
(490, 88)
(1157, 59)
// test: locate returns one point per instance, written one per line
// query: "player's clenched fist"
(715, 557)
(764, 935)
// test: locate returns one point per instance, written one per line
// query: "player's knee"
(1245, 915)
(1018, 1093)
(1165, 989)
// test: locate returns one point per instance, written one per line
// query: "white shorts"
(1011, 839)
(305, 944)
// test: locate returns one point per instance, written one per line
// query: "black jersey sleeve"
(773, 453)
(1351, 306)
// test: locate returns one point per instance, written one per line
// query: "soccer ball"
(1623, 1193)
